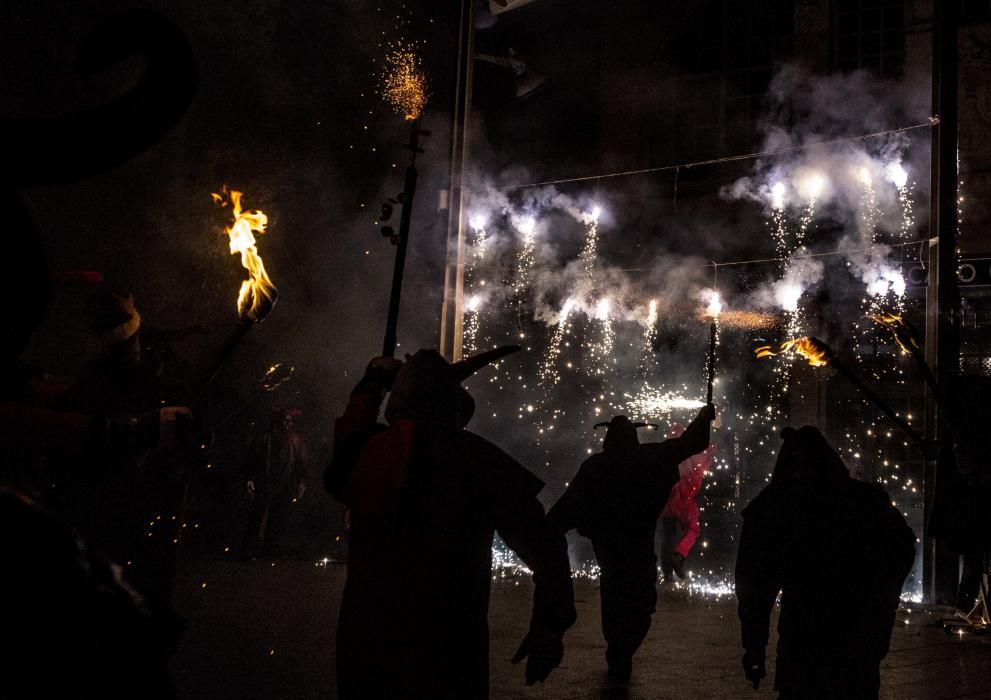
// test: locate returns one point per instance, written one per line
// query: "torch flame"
(903, 334)
(812, 349)
(257, 295)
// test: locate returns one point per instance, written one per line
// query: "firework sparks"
(549, 372)
(653, 401)
(526, 258)
(404, 81)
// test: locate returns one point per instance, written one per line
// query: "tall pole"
(452, 311)
(937, 583)
(409, 191)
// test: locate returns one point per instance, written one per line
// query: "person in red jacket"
(680, 516)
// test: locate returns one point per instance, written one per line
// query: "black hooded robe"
(615, 500)
(839, 552)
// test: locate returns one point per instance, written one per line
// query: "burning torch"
(257, 295)
(405, 88)
(818, 354)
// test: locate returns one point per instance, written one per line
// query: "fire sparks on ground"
(257, 294)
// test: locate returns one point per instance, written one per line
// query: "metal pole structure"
(947, 323)
(452, 311)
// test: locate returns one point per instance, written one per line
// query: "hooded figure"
(614, 500)
(425, 497)
(813, 519)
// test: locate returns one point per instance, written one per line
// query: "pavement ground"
(264, 630)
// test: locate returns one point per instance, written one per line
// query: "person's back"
(425, 497)
(838, 551)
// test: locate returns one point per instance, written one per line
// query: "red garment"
(681, 503)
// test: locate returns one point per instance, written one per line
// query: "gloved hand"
(543, 651)
(753, 665)
(708, 412)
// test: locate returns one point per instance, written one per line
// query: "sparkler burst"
(404, 83)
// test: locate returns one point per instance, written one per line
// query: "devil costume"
(811, 522)
(425, 497)
(614, 500)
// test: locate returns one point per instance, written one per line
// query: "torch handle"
(231, 342)
(876, 400)
(711, 361)
(389, 344)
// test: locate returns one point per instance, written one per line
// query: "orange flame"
(903, 334)
(257, 295)
(812, 349)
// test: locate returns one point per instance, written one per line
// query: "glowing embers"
(404, 83)
(257, 295)
(813, 350)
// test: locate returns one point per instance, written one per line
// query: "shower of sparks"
(472, 324)
(550, 373)
(745, 320)
(653, 401)
(526, 258)
(589, 254)
(404, 82)
(648, 361)
(601, 356)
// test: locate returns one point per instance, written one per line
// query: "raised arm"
(359, 422)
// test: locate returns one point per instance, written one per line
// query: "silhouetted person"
(812, 519)
(425, 497)
(276, 472)
(124, 499)
(614, 500)
(680, 517)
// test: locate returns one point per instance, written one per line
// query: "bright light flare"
(257, 294)
(896, 174)
(713, 303)
(603, 308)
(864, 175)
(810, 184)
(778, 195)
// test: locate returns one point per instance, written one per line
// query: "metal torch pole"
(409, 190)
(712, 360)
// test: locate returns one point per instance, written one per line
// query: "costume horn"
(468, 366)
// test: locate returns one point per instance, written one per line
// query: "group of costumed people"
(413, 618)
